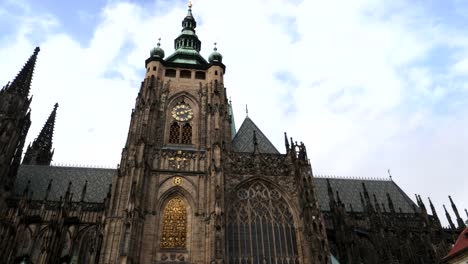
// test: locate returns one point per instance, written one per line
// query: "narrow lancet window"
(174, 133)
(187, 134)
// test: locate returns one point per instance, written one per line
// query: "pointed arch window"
(181, 126)
(174, 133)
(187, 134)
(174, 226)
(261, 227)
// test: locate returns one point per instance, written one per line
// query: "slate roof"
(243, 140)
(349, 190)
(96, 190)
(99, 180)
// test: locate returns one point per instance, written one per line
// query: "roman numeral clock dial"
(182, 113)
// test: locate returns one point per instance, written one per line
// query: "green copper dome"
(215, 56)
(157, 51)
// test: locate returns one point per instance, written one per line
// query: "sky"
(367, 85)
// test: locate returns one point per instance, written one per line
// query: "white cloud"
(362, 102)
(461, 67)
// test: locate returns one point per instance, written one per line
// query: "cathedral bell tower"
(167, 196)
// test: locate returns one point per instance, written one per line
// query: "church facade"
(191, 189)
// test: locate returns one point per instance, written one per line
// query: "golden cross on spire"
(190, 4)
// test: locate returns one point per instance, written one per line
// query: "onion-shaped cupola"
(215, 56)
(188, 39)
(187, 45)
(157, 51)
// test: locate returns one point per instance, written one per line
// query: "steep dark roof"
(96, 190)
(349, 190)
(99, 180)
(243, 140)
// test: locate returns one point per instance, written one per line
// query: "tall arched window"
(187, 134)
(85, 253)
(174, 133)
(261, 227)
(174, 226)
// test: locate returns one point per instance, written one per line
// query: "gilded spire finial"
(215, 48)
(159, 42)
(190, 4)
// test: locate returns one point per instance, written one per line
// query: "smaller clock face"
(177, 181)
(182, 112)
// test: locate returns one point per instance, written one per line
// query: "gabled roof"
(96, 190)
(243, 140)
(460, 247)
(349, 190)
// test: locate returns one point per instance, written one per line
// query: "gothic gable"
(243, 141)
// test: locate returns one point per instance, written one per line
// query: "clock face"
(182, 112)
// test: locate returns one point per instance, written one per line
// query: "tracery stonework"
(174, 229)
(261, 227)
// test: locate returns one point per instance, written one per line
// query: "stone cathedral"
(191, 188)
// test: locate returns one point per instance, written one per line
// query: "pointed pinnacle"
(83, 192)
(449, 218)
(390, 203)
(49, 187)
(255, 142)
(460, 222)
(338, 198)
(109, 190)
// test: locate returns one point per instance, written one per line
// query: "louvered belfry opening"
(261, 227)
(187, 134)
(174, 133)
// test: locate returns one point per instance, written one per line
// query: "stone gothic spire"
(40, 152)
(22, 83)
(15, 120)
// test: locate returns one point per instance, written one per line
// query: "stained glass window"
(174, 227)
(261, 227)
